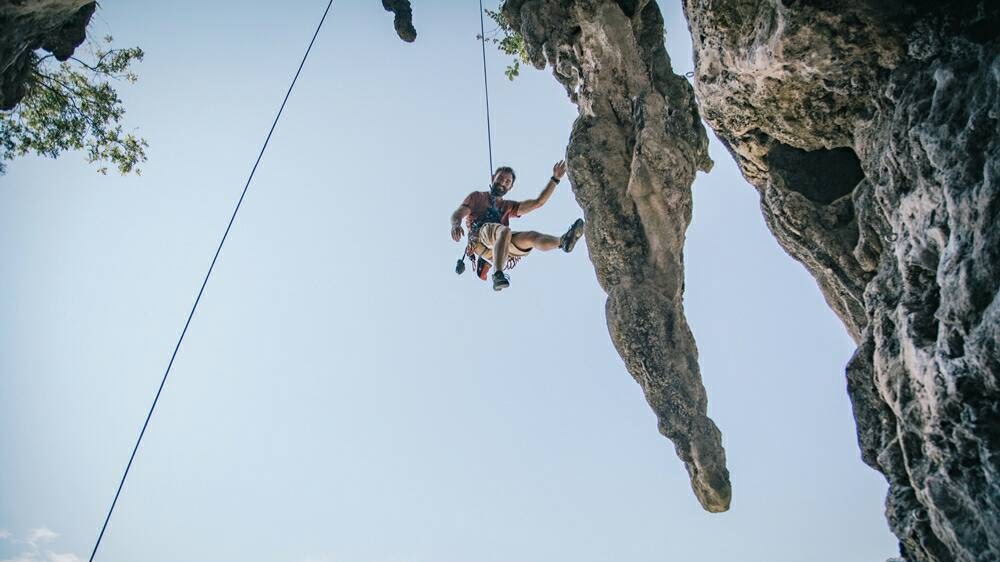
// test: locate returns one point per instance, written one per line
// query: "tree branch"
(89, 120)
(71, 89)
(100, 60)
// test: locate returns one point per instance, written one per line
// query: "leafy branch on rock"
(509, 41)
(72, 105)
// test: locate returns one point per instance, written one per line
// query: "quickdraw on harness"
(492, 215)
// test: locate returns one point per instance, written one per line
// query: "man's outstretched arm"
(529, 205)
(456, 222)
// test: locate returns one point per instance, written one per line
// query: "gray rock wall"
(633, 154)
(403, 18)
(871, 132)
(56, 26)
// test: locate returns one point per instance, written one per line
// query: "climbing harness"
(197, 299)
(474, 249)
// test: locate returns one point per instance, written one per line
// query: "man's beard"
(497, 190)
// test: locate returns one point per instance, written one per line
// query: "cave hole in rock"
(823, 175)
(630, 7)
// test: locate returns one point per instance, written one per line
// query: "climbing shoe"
(500, 281)
(568, 240)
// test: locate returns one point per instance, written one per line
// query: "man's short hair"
(513, 176)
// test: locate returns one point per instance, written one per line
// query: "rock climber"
(487, 216)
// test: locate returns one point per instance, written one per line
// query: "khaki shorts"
(487, 237)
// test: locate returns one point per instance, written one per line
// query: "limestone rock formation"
(633, 155)
(871, 131)
(403, 20)
(56, 26)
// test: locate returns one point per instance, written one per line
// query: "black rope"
(486, 85)
(205, 282)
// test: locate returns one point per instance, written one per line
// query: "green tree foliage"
(509, 41)
(72, 105)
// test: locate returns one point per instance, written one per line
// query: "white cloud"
(68, 557)
(35, 538)
(41, 535)
(47, 556)
(329, 558)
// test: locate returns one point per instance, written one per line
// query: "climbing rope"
(486, 86)
(205, 282)
(460, 264)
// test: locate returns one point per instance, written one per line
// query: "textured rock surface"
(403, 20)
(56, 26)
(871, 132)
(633, 155)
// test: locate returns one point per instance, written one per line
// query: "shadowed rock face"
(633, 155)
(870, 130)
(56, 26)
(403, 20)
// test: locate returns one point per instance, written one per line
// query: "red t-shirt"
(479, 203)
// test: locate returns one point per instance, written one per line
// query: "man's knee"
(527, 238)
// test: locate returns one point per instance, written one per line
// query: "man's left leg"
(506, 242)
(529, 240)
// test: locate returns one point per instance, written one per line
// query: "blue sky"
(341, 395)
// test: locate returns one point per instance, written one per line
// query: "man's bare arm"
(456, 222)
(529, 205)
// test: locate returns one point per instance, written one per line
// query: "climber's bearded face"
(502, 182)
